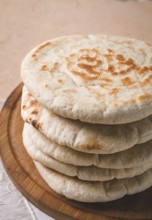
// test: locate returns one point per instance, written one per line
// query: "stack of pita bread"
(87, 107)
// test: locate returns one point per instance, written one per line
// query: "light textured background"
(24, 24)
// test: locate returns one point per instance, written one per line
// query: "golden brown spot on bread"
(122, 72)
(84, 50)
(33, 55)
(69, 63)
(106, 79)
(95, 50)
(91, 146)
(122, 60)
(120, 57)
(46, 86)
(35, 112)
(149, 77)
(108, 57)
(72, 55)
(103, 85)
(84, 76)
(145, 96)
(40, 48)
(88, 50)
(44, 67)
(60, 80)
(109, 50)
(132, 67)
(90, 68)
(87, 58)
(87, 67)
(44, 45)
(95, 91)
(111, 68)
(69, 91)
(54, 67)
(98, 63)
(146, 81)
(144, 69)
(87, 71)
(114, 91)
(29, 94)
(126, 81)
(24, 106)
(129, 62)
(34, 103)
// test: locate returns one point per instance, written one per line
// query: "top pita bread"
(97, 79)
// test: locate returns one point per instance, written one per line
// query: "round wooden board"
(24, 175)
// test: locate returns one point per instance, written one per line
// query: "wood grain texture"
(24, 175)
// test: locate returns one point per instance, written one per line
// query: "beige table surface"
(26, 23)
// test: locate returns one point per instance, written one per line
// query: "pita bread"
(86, 191)
(90, 173)
(84, 137)
(137, 156)
(95, 78)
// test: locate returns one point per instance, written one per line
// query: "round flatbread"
(86, 191)
(90, 173)
(81, 136)
(95, 78)
(137, 156)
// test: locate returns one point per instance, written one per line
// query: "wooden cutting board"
(24, 175)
